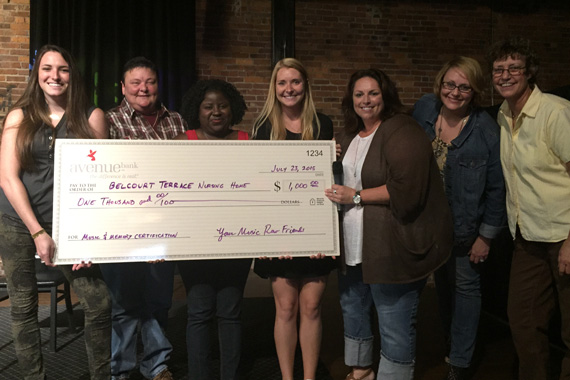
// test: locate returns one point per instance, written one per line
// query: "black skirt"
(298, 267)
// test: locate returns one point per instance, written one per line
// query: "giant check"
(125, 200)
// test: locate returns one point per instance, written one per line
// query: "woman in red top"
(214, 288)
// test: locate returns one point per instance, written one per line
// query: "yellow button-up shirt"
(534, 155)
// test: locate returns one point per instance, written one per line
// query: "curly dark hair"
(392, 104)
(516, 48)
(196, 94)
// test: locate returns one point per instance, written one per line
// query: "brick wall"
(408, 39)
(14, 47)
(233, 42)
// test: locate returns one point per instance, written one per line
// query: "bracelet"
(42, 231)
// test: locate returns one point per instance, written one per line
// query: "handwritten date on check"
(130, 200)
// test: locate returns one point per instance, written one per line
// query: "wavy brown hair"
(392, 104)
(36, 111)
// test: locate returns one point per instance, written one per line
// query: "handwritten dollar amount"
(288, 186)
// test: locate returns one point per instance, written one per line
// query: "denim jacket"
(473, 176)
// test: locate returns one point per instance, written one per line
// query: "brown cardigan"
(411, 236)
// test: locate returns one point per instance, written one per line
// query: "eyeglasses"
(513, 70)
(452, 86)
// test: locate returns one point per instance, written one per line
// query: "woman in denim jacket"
(465, 141)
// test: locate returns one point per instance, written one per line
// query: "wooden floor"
(494, 357)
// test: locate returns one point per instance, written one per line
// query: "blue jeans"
(17, 249)
(214, 291)
(141, 294)
(396, 306)
(458, 288)
(357, 306)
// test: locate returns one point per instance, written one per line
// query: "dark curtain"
(103, 34)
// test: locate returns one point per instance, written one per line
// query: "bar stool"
(49, 279)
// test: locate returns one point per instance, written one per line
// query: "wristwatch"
(356, 198)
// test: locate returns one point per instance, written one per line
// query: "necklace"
(514, 119)
(151, 118)
(155, 120)
(441, 145)
(440, 128)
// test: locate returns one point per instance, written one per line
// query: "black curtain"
(103, 34)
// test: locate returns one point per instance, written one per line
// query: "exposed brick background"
(410, 40)
(14, 47)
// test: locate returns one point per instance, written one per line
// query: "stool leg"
(53, 319)
(69, 306)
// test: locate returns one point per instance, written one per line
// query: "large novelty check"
(126, 200)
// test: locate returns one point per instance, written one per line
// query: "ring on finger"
(334, 191)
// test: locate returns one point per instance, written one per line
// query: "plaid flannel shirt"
(126, 123)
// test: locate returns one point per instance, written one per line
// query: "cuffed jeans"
(396, 306)
(357, 307)
(141, 294)
(17, 250)
(458, 289)
(214, 290)
(535, 286)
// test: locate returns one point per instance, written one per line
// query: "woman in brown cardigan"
(396, 225)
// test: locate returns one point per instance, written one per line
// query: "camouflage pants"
(17, 250)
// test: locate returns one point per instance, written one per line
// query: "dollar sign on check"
(277, 186)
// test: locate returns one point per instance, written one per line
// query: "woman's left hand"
(340, 194)
(564, 258)
(82, 265)
(480, 250)
(45, 248)
(320, 256)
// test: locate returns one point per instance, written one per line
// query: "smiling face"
(511, 87)
(289, 87)
(53, 74)
(140, 88)
(455, 100)
(367, 100)
(215, 114)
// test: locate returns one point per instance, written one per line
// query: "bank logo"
(92, 154)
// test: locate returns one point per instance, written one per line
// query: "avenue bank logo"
(101, 167)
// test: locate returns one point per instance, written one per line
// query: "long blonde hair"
(272, 108)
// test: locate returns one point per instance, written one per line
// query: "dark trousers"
(214, 291)
(535, 289)
(17, 249)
